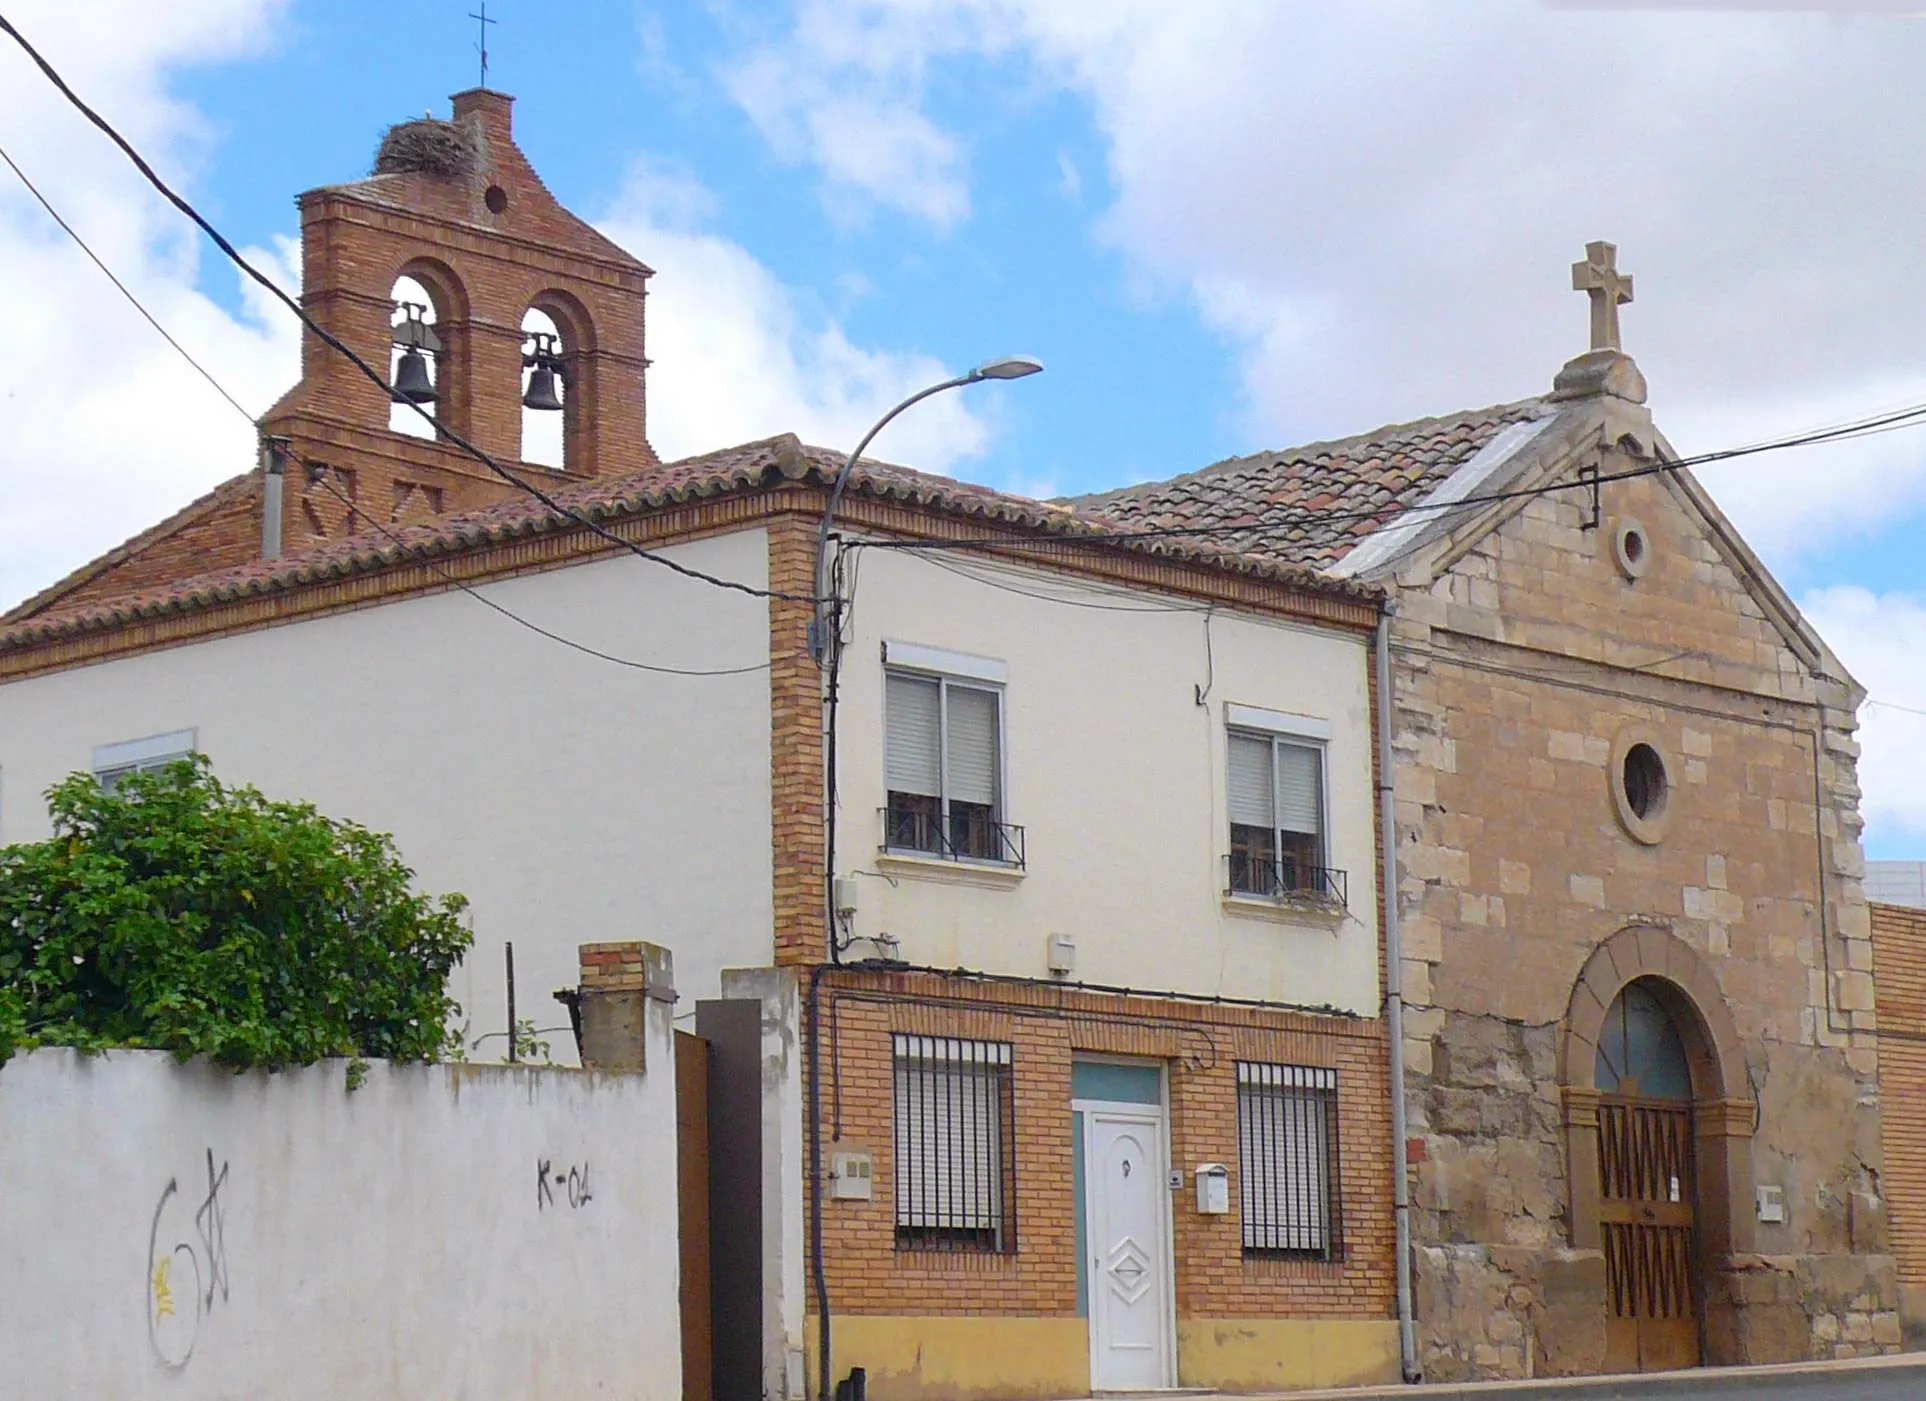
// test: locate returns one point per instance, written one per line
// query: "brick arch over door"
(1723, 1117)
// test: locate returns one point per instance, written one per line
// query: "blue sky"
(1136, 386)
(1223, 226)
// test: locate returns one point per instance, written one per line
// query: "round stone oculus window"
(1631, 548)
(1644, 780)
(1641, 781)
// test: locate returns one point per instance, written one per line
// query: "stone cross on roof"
(1599, 275)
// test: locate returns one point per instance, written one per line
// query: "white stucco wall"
(1117, 775)
(572, 800)
(174, 1231)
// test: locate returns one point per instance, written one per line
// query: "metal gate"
(1646, 1190)
(692, 1190)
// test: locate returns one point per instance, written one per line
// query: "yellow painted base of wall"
(959, 1357)
(1285, 1354)
(984, 1357)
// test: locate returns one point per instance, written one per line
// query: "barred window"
(1287, 1146)
(954, 1150)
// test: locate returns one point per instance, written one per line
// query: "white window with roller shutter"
(1275, 792)
(943, 759)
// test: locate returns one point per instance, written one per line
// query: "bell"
(541, 390)
(411, 378)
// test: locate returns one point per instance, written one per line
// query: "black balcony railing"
(959, 837)
(1290, 882)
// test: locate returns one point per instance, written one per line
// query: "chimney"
(492, 111)
(274, 455)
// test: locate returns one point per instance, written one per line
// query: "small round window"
(1631, 548)
(1641, 784)
(496, 199)
(1644, 779)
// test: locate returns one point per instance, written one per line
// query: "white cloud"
(103, 428)
(844, 92)
(1882, 640)
(735, 354)
(1793, 501)
(1376, 203)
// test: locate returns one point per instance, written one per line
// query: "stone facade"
(1531, 654)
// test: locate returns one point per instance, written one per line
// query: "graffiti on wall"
(186, 1265)
(556, 1185)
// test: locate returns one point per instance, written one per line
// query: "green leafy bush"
(183, 915)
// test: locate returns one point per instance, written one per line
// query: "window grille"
(943, 760)
(1288, 1152)
(954, 1145)
(1275, 790)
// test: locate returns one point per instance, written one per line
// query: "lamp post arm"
(842, 482)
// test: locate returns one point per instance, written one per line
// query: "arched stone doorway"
(1659, 1150)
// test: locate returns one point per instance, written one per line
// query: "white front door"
(1129, 1237)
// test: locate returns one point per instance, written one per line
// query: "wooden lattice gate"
(1646, 1190)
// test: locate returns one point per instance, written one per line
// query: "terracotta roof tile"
(747, 467)
(1267, 504)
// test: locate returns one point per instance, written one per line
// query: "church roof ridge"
(1311, 504)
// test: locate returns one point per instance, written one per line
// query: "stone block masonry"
(1528, 665)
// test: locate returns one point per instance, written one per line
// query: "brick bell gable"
(456, 205)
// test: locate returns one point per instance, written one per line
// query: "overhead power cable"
(317, 472)
(108, 272)
(1900, 418)
(1903, 417)
(327, 338)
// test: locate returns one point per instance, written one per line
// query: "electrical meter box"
(851, 1177)
(1213, 1189)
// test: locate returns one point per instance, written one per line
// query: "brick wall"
(1899, 960)
(1199, 1045)
(220, 531)
(488, 245)
(796, 743)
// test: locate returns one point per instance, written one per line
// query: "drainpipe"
(1394, 999)
(273, 463)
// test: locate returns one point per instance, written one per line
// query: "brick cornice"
(337, 585)
(1112, 563)
(400, 450)
(333, 591)
(476, 240)
(1075, 1001)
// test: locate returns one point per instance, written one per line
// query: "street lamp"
(826, 648)
(1006, 367)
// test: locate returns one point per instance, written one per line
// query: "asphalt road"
(1883, 1379)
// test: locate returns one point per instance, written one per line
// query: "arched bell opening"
(545, 391)
(425, 303)
(558, 384)
(1658, 1146)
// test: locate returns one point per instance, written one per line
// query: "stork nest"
(427, 145)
